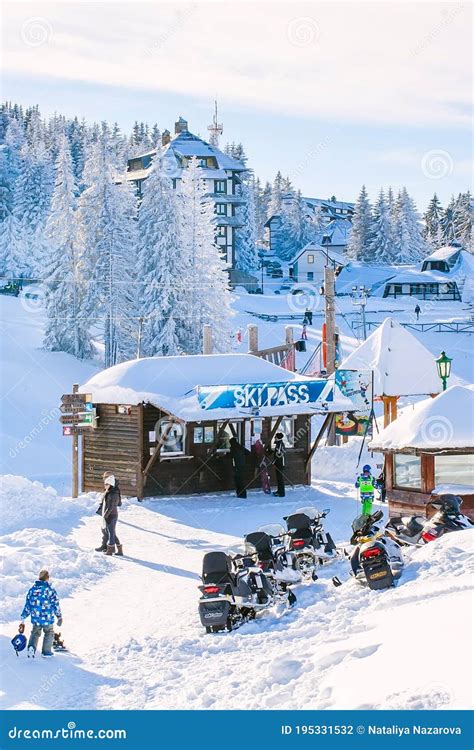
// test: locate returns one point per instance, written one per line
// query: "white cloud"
(367, 62)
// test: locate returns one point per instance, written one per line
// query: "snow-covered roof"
(443, 253)
(415, 276)
(402, 365)
(329, 203)
(337, 230)
(314, 247)
(172, 384)
(434, 424)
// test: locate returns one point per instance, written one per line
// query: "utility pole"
(75, 455)
(330, 312)
(359, 299)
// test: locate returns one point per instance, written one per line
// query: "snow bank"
(339, 462)
(29, 504)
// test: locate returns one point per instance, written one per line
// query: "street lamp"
(443, 364)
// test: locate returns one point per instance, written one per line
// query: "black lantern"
(443, 364)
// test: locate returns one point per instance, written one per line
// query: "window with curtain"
(407, 471)
(455, 470)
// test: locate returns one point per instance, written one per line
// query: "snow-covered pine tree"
(432, 223)
(274, 207)
(66, 329)
(209, 297)
(462, 219)
(381, 246)
(108, 240)
(359, 247)
(155, 136)
(162, 269)
(246, 258)
(448, 229)
(409, 245)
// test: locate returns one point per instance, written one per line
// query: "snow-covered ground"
(131, 623)
(135, 639)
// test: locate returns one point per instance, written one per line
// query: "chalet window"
(455, 470)
(227, 434)
(172, 436)
(134, 164)
(202, 162)
(310, 276)
(198, 435)
(287, 427)
(221, 209)
(220, 186)
(221, 231)
(310, 258)
(209, 434)
(407, 470)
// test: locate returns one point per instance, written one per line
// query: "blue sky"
(332, 94)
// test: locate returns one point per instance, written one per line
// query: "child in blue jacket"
(42, 604)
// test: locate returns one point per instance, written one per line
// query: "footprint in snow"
(361, 653)
(285, 670)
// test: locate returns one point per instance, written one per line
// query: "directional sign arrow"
(76, 398)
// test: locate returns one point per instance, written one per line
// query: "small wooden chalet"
(164, 423)
(429, 451)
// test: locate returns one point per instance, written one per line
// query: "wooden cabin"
(429, 451)
(164, 423)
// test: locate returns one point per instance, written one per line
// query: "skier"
(417, 311)
(304, 333)
(279, 463)
(239, 459)
(258, 449)
(42, 604)
(366, 484)
(111, 500)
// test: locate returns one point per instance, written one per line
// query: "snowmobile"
(376, 560)
(418, 530)
(276, 562)
(234, 590)
(308, 540)
(11, 289)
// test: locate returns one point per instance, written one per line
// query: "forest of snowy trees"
(126, 276)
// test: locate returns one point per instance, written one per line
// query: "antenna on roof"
(216, 129)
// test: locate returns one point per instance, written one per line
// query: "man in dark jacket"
(279, 463)
(111, 500)
(239, 459)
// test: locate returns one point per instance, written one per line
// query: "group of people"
(262, 458)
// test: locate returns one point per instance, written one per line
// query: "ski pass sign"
(265, 395)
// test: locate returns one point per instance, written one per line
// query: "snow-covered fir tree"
(236, 151)
(66, 328)
(432, 223)
(274, 207)
(162, 269)
(208, 286)
(381, 247)
(246, 235)
(409, 245)
(462, 219)
(108, 240)
(359, 245)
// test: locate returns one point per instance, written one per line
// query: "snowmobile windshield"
(272, 529)
(309, 511)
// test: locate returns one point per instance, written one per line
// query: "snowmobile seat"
(217, 568)
(261, 542)
(299, 521)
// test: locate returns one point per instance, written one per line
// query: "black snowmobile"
(234, 591)
(308, 540)
(278, 564)
(418, 530)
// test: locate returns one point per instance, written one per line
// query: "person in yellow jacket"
(366, 484)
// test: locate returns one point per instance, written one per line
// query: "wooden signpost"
(78, 417)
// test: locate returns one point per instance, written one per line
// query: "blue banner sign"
(265, 395)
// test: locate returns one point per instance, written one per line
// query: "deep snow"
(134, 634)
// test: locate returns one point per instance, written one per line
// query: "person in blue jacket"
(366, 484)
(42, 605)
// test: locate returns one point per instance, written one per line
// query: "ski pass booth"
(164, 423)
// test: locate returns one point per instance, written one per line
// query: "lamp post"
(443, 364)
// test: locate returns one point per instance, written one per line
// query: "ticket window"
(287, 427)
(232, 429)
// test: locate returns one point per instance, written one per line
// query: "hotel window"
(455, 470)
(221, 209)
(220, 186)
(221, 231)
(202, 162)
(287, 427)
(310, 258)
(407, 471)
(310, 275)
